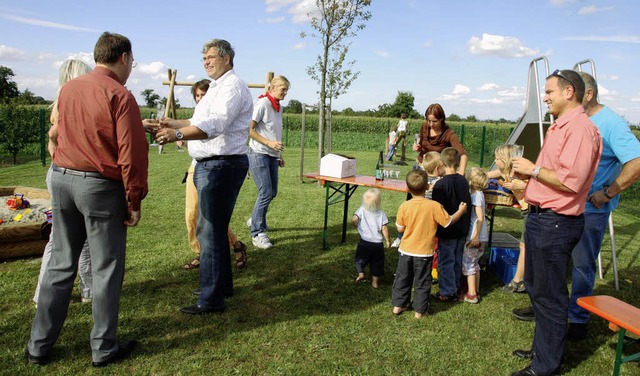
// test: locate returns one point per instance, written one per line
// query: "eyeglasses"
(558, 73)
(134, 64)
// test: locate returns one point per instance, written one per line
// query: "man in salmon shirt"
(559, 181)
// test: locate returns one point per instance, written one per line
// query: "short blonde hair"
(417, 182)
(278, 81)
(371, 199)
(477, 178)
(450, 157)
(431, 161)
(504, 153)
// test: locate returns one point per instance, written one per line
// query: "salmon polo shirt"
(572, 148)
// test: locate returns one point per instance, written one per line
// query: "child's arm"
(475, 237)
(385, 233)
(354, 220)
(462, 209)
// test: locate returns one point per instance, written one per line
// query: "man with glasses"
(219, 129)
(557, 191)
(99, 180)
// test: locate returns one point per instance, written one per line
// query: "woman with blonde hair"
(69, 70)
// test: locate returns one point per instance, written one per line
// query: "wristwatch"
(535, 172)
(179, 135)
(605, 190)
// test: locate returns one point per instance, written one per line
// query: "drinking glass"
(160, 111)
(518, 151)
(397, 171)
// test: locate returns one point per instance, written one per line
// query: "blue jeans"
(584, 257)
(450, 264)
(218, 183)
(264, 171)
(549, 240)
(392, 151)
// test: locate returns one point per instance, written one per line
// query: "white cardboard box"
(337, 166)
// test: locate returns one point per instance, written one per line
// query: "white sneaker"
(249, 222)
(262, 241)
(396, 243)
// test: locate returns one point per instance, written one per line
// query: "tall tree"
(8, 88)
(403, 105)
(293, 107)
(150, 97)
(335, 21)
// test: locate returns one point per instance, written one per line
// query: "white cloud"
(154, 68)
(301, 10)
(513, 93)
(488, 86)
(591, 9)
(427, 44)
(487, 101)
(49, 24)
(459, 89)
(381, 53)
(12, 54)
(613, 38)
(299, 46)
(269, 21)
(498, 45)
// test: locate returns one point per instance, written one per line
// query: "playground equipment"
(18, 202)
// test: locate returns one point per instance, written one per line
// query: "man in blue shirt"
(619, 167)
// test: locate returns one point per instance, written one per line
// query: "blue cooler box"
(504, 261)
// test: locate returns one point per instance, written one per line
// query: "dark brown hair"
(109, 48)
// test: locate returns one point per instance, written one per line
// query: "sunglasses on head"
(558, 73)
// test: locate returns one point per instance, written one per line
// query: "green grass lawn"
(296, 310)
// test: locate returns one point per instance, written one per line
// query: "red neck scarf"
(274, 102)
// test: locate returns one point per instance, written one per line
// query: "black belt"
(537, 210)
(84, 174)
(220, 157)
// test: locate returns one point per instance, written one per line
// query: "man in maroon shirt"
(99, 180)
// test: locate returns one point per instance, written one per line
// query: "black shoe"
(577, 332)
(197, 309)
(524, 354)
(524, 314)
(40, 360)
(444, 298)
(528, 371)
(124, 350)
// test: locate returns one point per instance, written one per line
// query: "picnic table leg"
(326, 213)
(345, 213)
(616, 366)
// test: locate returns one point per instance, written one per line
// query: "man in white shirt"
(218, 133)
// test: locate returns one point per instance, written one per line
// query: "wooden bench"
(622, 317)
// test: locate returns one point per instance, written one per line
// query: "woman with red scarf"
(265, 146)
(435, 135)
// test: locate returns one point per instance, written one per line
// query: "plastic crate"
(505, 263)
(499, 251)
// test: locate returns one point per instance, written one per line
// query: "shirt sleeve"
(133, 151)
(455, 143)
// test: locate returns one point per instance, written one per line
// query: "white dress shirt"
(224, 114)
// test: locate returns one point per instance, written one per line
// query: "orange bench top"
(614, 310)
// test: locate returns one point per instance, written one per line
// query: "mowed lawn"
(296, 310)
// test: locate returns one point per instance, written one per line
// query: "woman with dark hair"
(435, 135)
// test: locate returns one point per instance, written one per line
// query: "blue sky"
(471, 56)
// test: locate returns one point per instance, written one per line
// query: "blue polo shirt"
(619, 146)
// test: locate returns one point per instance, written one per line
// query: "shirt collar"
(568, 116)
(222, 78)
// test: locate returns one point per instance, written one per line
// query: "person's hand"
(151, 126)
(598, 199)
(275, 145)
(415, 147)
(473, 243)
(388, 243)
(165, 136)
(506, 184)
(463, 206)
(281, 162)
(522, 167)
(133, 219)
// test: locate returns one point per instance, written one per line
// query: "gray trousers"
(84, 209)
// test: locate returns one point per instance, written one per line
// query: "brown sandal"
(194, 264)
(241, 255)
